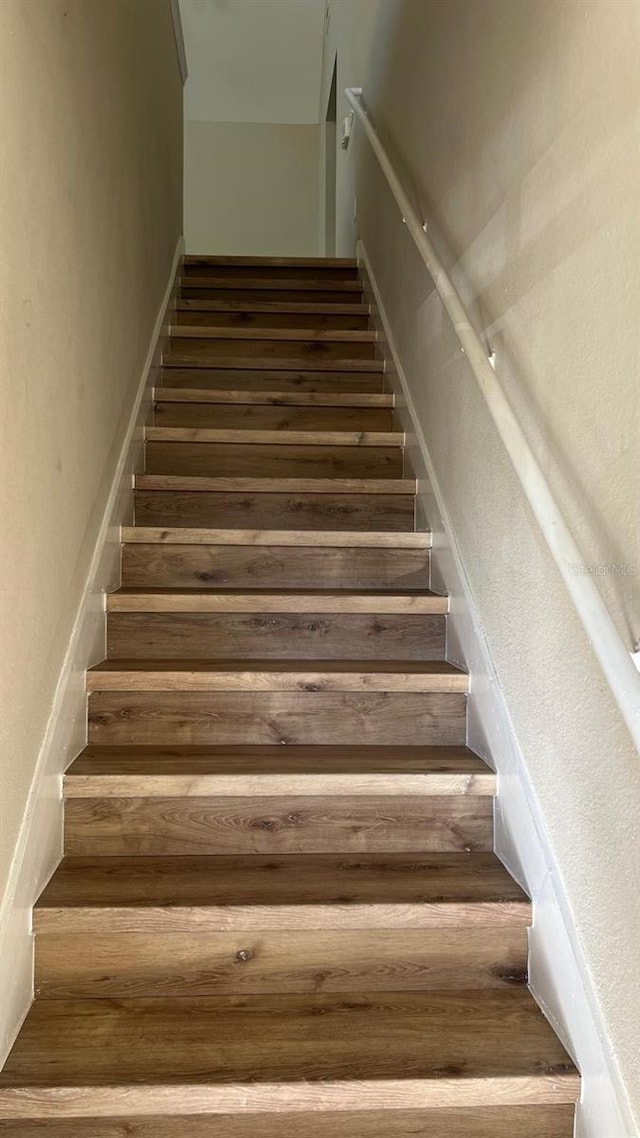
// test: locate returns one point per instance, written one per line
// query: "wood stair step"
(309, 454)
(264, 415)
(317, 676)
(171, 635)
(301, 380)
(264, 600)
(281, 438)
(462, 1122)
(258, 290)
(296, 891)
(350, 566)
(244, 345)
(313, 317)
(271, 282)
(224, 925)
(237, 508)
(234, 771)
(265, 364)
(150, 535)
(326, 336)
(332, 399)
(230, 1054)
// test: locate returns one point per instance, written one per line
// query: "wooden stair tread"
(276, 675)
(328, 335)
(264, 600)
(371, 368)
(183, 535)
(188, 772)
(299, 307)
(394, 880)
(277, 398)
(286, 1052)
(280, 437)
(462, 1122)
(293, 262)
(194, 483)
(272, 284)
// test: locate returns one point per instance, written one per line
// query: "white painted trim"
(178, 34)
(559, 974)
(39, 845)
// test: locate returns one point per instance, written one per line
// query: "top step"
(305, 268)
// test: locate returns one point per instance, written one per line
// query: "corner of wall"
(39, 847)
(558, 973)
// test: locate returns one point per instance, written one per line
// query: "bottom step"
(472, 1122)
(284, 1054)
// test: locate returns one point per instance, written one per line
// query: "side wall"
(515, 126)
(251, 188)
(90, 208)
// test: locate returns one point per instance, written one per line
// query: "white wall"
(256, 64)
(515, 127)
(251, 188)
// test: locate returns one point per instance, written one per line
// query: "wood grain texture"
(368, 486)
(120, 965)
(201, 350)
(285, 718)
(272, 635)
(281, 437)
(316, 676)
(141, 772)
(260, 600)
(295, 380)
(266, 290)
(318, 362)
(293, 891)
(276, 459)
(463, 1122)
(272, 281)
(246, 510)
(343, 336)
(275, 566)
(305, 399)
(428, 1049)
(313, 318)
(147, 535)
(272, 416)
(163, 826)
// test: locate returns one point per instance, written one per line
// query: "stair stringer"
(558, 972)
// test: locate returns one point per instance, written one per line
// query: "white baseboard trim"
(559, 974)
(39, 845)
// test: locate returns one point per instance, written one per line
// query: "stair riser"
(238, 416)
(274, 636)
(324, 273)
(184, 718)
(316, 321)
(90, 967)
(201, 509)
(203, 351)
(273, 567)
(179, 826)
(266, 379)
(272, 460)
(466, 1122)
(261, 291)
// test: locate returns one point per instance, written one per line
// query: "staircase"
(279, 913)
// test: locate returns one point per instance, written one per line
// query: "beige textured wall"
(251, 188)
(90, 213)
(516, 126)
